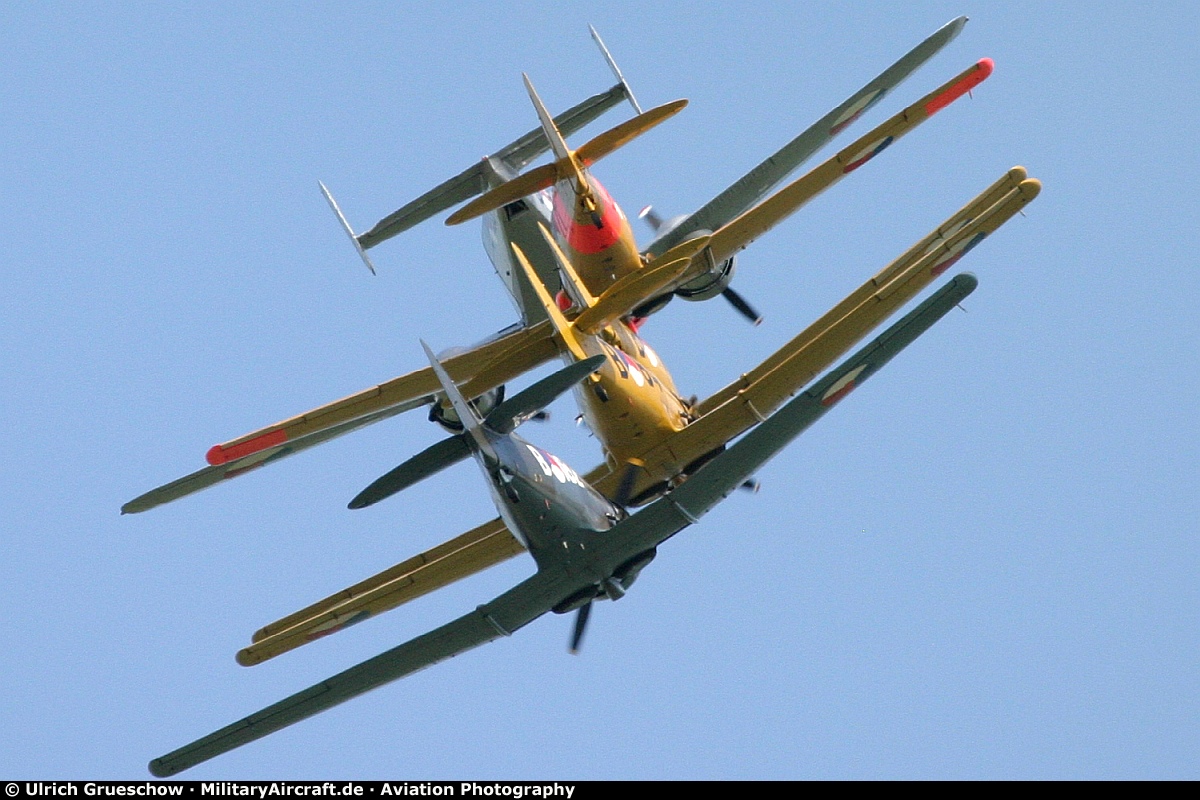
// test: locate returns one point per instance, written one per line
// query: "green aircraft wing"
(551, 586)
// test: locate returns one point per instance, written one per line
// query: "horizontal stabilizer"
(563, 168)
(627, 131)
(474, 180)
(512, 412)
(632, 290)
(428, 462)
(535, 180)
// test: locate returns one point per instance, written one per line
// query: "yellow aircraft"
(653, 439)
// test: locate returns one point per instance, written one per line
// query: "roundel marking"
(842, 387)
(867, 153)
(956, 253)
(335, 625)
(855, 111)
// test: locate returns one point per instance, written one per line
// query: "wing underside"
(739, 232)
(476, 370)
(472, 552)
(755, 185)
(755, 395)
(510, 611)
(549, 586)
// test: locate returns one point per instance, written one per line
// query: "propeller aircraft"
(697, 253)
(586, 546)
(556, 226)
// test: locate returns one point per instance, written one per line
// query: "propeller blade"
(745, 309)
(581, 619)
(625, 487)
(652, 218)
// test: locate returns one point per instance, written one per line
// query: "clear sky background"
(981, 565)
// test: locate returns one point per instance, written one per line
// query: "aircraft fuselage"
(544, 501)
(634, 404)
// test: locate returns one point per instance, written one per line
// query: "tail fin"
(565, 330)
(615, 70)
(346, 226)
(569, 164)
(466, 412)
(570, 278)
(557, 143)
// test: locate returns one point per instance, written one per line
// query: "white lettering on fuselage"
(551, 465)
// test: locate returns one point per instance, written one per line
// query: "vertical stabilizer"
(557, 143)
(565, 329)
(466, 412)
(612, 64)
(571, 280)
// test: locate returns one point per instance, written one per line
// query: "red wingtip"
(983, 68)
(218, 455)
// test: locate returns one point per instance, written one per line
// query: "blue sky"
(982, 565)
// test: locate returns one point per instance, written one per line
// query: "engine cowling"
(711, 283)
(444, 414)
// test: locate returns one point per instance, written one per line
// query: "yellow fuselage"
(634, 404)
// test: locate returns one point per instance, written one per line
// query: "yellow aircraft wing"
(476, 370)
(723, 416)
(474, 551)
(753, 397)
(774, 170)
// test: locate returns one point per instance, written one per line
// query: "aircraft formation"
(566, 253)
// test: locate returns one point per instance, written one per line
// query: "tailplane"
(568, 164)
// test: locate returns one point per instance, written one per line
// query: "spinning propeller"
(615, 587)
(660, 227)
